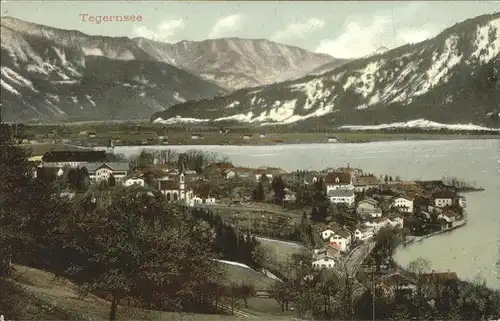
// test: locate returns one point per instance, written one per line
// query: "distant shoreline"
(307, 138)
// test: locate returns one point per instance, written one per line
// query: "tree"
(234, 293)
(386, 179)
(133, 244)
(419, 267)
(145, 159)
(111, 181)
(279, 189)
(387, 239)
(259, 193)
(264, 178)
(283, 293)
(245, 292)
(16, 202)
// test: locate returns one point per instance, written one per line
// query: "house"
(310, 179)
(404, 204)
(259, 173)
(103, 171)
(338, 180)
(422, 203)
(337, 236)
(341, 196)
(175, 189)
(91, 135)
(364, 182)
(51, 134)
(462, 201)
(196, 137)
(363, 233)
(369, 207)
(73, 158)
(440, 277)
(443, 198)
(290, 196)
(399, 283)
(133, 180)
(202, 195)
(351, 170)
(332, 139)
(379, 223)
(243, 172)
(228, 174)
(439, 281)
(449, 217)
(396, 221)
(221, 166)
(330, 249)
(323, 261)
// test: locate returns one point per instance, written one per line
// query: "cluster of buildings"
(170, 182)
(389, 204)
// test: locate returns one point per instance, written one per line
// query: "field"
(46, 294)
(240, 274)
(144, 133)
(280, 251)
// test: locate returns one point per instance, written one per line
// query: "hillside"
(452, 78)
(235, 63)
(52, 74)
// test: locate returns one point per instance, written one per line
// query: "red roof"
(334, 245)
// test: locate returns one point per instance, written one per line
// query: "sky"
(343, 29)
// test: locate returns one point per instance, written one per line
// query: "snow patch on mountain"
(179, 120)
(423, 124)
(486, 49)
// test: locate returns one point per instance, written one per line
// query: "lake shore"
(416, 239)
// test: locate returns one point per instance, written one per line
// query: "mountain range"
(55, 74)
(451, 78)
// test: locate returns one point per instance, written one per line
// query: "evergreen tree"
(111, 181)
(279, 189)
(259, 194)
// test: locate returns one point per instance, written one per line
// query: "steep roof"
(115, 166)
(364, 180)
(75, 156)
(441, 277)
(370, 201)
(341, 193)
(202, 190)
(168, 185)
(444, 193)
(338, 178)
(220, 165)
(396, 278)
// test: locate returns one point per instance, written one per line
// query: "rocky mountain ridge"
(54, 74)
(452, 78)
(235, 63)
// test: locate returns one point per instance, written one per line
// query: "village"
(347, 207)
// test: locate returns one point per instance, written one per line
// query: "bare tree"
(419, 268)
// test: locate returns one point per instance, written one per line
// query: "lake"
(470, 251)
